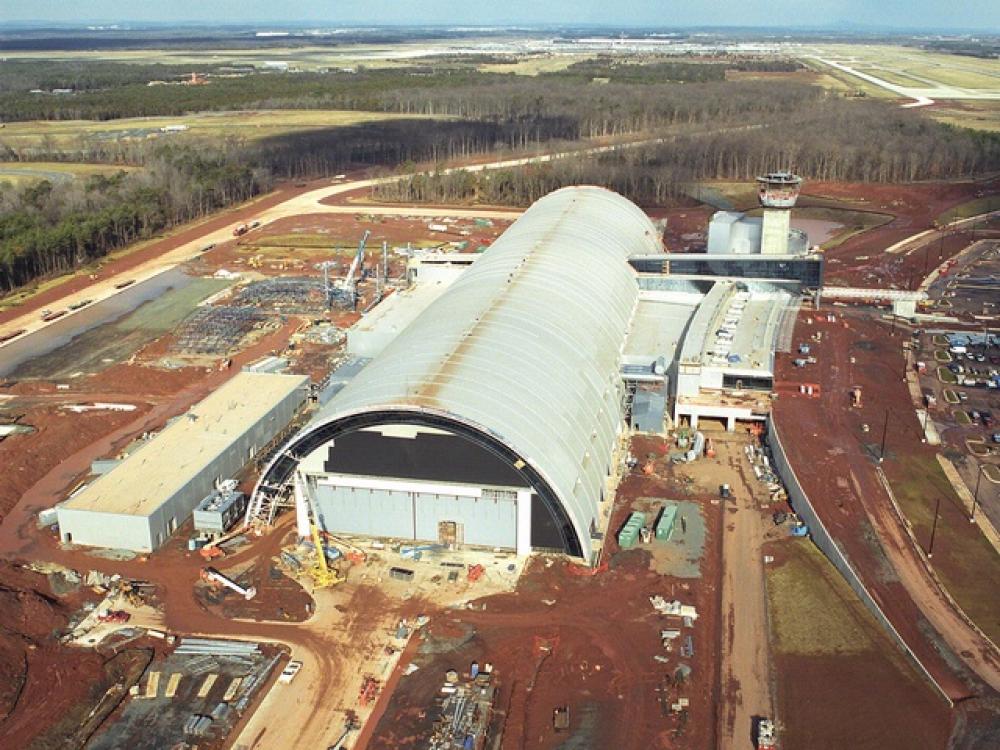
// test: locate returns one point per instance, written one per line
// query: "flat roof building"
(141, 501)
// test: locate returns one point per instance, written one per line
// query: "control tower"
(778, 192)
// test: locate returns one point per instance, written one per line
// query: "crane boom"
(359, 257)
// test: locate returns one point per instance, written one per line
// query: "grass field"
(840, 681)
(915, 68)
(116, 341)
(845, 83)
(893, 77)
(965, 561)
(25, 172)
(971, 208)
(251, 125)
(533, 65)
(804, 586)
(983, 115)
(944, 69)
(301, 58)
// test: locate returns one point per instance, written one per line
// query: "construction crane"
(349, 282)
(213, 576)
(323, 576)
(344, 289)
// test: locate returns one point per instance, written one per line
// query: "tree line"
(48, 228)
(835, 139)
(109, 91)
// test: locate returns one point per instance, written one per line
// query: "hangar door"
(488, 521)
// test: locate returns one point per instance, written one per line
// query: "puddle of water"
(818, 230)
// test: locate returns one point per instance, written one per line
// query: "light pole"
(975, 495)
(885, 428)
(930, 547)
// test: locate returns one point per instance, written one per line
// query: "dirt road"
(328, 199)
(745, 679)
(821, 435)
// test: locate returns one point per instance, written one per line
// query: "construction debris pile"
(217, 330)
(681, 618)
(466, 710)
(760, 463)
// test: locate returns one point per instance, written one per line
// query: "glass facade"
(807, 271)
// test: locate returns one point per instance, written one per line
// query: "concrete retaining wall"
(821, 537)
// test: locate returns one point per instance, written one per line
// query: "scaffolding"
(284, 294)
(217, 330)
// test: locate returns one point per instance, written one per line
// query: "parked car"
(996, 437)
(289, 672)
(963, 396)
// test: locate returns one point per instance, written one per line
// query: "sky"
(909, 14)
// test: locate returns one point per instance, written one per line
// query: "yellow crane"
(321, 573)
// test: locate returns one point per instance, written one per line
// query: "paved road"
(326, 200)
(922, 97)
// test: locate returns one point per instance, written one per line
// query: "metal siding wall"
(111, 530)
(365, 512)
(386, 513)
(226, 464)
(485, 523)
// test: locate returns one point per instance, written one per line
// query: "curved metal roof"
(525, 345)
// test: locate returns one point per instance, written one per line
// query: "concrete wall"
(774, 232)
(821, 537)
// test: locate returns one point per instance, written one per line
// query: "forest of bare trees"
(701, 130)
(48, 228)
(833, 139)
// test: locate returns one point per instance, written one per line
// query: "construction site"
(343, 475)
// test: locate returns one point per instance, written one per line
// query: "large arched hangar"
(491, 420)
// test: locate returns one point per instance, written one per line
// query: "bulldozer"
(322, 574)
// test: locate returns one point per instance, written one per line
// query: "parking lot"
(970, 289)
(961, 385)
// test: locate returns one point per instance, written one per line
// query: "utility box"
(219, 511)
(629, 534)
(665, 526)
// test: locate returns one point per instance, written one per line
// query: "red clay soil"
(77, 448)
(59, 434)
(604, 635)
(856, 701)
(874, 699)
(189, 233)
(43, 683)
(835, 463)
(861, 260)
